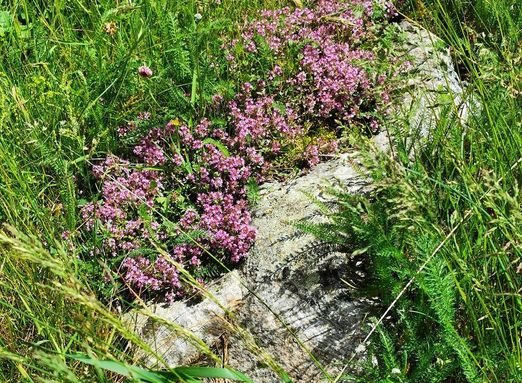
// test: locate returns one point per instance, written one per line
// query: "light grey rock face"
(201, 320)
(290, 297)
(301, 281)
(434, 87)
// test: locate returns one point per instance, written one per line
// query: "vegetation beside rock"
(134, 136)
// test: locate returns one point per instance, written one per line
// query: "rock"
(434, 86)
(202, 320)
(290, 307)
(301, 281)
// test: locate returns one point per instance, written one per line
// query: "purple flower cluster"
(213, 182)
(329, 87)
(124, 191)
(218, 189)
(196, 176)
(149, 149)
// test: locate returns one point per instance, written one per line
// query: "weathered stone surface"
(300, 280)
(290, 296)
(434, 86)
(201, 319)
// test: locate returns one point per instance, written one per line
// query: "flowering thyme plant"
(186, 185)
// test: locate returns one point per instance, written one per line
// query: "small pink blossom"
(145, 71)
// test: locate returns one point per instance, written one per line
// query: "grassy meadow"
(443, 230)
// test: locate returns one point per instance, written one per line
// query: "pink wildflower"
(145, 71)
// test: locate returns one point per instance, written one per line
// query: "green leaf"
(222, 148)
(285, 378)
(121, 369)
(280, 107)
(143, 212)
(161, 200)
(6, 23)
(179, 374)
(210, 372)
(252, 191)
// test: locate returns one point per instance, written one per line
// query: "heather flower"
(203, 127)
(374, 125)
(188, 219)
(150, 151)
(312, 155)
(123, 130)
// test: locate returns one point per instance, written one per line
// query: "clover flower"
(145, 71)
